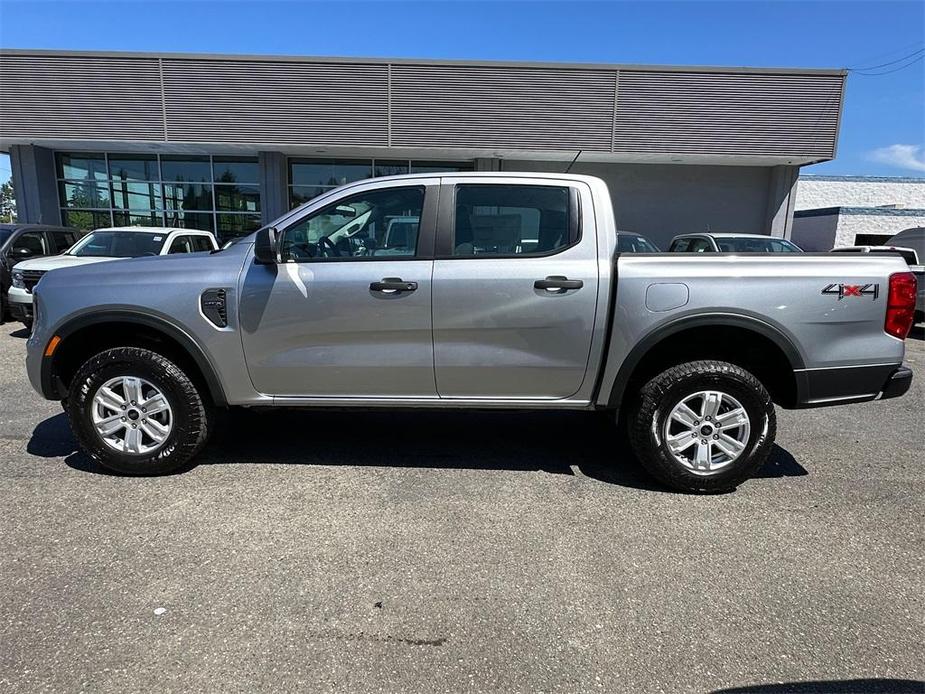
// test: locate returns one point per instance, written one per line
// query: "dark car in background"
(25, 241)
(914, 239)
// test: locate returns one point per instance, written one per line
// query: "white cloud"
(901, 156)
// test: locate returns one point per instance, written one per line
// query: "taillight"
(900, 305)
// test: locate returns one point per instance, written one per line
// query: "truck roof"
(724, 235)
(486, 174)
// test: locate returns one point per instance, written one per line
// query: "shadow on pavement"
(877, 685)
(564, 443)
(20, 331)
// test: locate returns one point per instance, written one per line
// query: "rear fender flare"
(700, 320)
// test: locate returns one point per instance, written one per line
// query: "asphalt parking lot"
(461, 552)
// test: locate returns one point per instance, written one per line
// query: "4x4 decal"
(846, 290)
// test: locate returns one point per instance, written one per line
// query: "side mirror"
(266, 246)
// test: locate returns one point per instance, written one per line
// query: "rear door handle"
(557, 284)
(392, 285)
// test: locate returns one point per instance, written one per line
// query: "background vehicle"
(915, 239)
(631, 242)
(731, 243)
(23, 241)
(689, 352)
(98, 246)
(907, 254)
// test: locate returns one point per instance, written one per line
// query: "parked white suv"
(731, 243)
(101, 245)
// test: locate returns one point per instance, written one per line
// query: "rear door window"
(61, 240)
(512, 220)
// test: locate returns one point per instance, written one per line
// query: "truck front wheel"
(703, 426)
(136, 412)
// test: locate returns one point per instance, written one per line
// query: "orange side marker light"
(52, 345)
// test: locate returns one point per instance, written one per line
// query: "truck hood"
(58, 261)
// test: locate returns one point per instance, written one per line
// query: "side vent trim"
(214, 307)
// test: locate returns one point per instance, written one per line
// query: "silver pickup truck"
(469, 290)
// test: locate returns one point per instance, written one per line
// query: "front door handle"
(557, 284)
(392, 285)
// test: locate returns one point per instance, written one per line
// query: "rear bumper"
(843, 385)
(898, 384)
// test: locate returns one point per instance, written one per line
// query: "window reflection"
(309, 178)
(213, 193)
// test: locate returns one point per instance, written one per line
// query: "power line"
(892, 62)
(888, 72)
(886, 54)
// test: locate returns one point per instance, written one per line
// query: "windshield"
(630, 243)
(745, 244)
(4, 235)
(118, 244)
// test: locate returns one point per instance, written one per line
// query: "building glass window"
(309, 178)
(217, 194)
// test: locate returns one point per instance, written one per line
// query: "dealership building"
(228, 143)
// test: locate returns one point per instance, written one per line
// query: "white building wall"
(814, 192)
(849, 225)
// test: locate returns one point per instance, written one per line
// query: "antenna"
(569, 168)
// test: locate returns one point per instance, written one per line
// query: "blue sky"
(883, 127)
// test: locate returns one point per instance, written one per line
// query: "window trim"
(446, 223)
(426, 227)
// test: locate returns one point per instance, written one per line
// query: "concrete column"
(274, 185)
(35, 184)
(782, 194)
(487, 164)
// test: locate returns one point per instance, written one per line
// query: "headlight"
(17, 279)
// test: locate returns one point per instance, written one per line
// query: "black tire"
(28, 323)
(660, 395)
(191, 413)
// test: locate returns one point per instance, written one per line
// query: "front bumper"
(19, 296)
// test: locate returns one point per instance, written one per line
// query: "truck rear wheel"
(136, 412)
(703, 426)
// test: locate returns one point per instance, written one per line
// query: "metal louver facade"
(249, 101)
(235, 100)
(502, 107)
(61, 96)
(701, 112)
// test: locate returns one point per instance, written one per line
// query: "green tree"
(7, 202)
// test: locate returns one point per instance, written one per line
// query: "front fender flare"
(156, 322)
